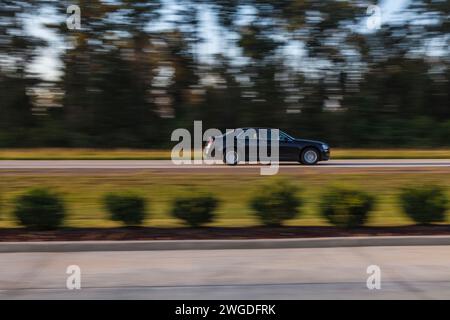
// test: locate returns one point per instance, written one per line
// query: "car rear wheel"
(231, 158)
(309, 156)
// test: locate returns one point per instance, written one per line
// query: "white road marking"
(167, 164)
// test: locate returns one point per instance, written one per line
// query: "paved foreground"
(314, 273)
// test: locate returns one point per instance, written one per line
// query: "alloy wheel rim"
(310, 156)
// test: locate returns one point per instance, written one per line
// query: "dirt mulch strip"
(144, 233)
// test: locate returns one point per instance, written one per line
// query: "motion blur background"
(367, 80)
(136, 70)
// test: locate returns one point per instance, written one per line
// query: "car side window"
(251, 134)
(284, 137)
(281, 135)
(254, 134)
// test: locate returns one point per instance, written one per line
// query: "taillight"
(209, 143)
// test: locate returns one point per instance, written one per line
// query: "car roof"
(258, 128)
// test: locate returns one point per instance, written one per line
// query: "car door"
(288, 148)
(249, 140)
(285, 152)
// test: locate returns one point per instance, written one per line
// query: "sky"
(48, 66)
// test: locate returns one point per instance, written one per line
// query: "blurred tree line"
(136, 70)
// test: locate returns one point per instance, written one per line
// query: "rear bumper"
(208, 152)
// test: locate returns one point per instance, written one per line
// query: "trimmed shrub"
(424, 204)
(346, 208)
(276, 202)
(40, 209)
(127, 208)
(196, 209)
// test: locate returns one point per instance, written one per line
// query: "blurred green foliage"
(346, 207)
(195, 209)
(84, 192)
(127, 208)
(308, 67)
(424, 204)
(40, 209)
(276, 202)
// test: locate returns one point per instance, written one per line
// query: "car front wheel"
(309, 156)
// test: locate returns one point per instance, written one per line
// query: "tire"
(231, 158)
(309, 156)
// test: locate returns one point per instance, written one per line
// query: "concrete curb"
(79, 246)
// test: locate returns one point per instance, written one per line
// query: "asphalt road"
(315, 273)
(168, 166)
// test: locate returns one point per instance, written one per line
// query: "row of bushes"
(42, 209)
(273, 204)
(346, 207)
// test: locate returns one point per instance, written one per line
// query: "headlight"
(325, 146)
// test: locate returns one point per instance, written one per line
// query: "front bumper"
(325, 155)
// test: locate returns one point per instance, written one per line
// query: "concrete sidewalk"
(412, 272)
(85, 246)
